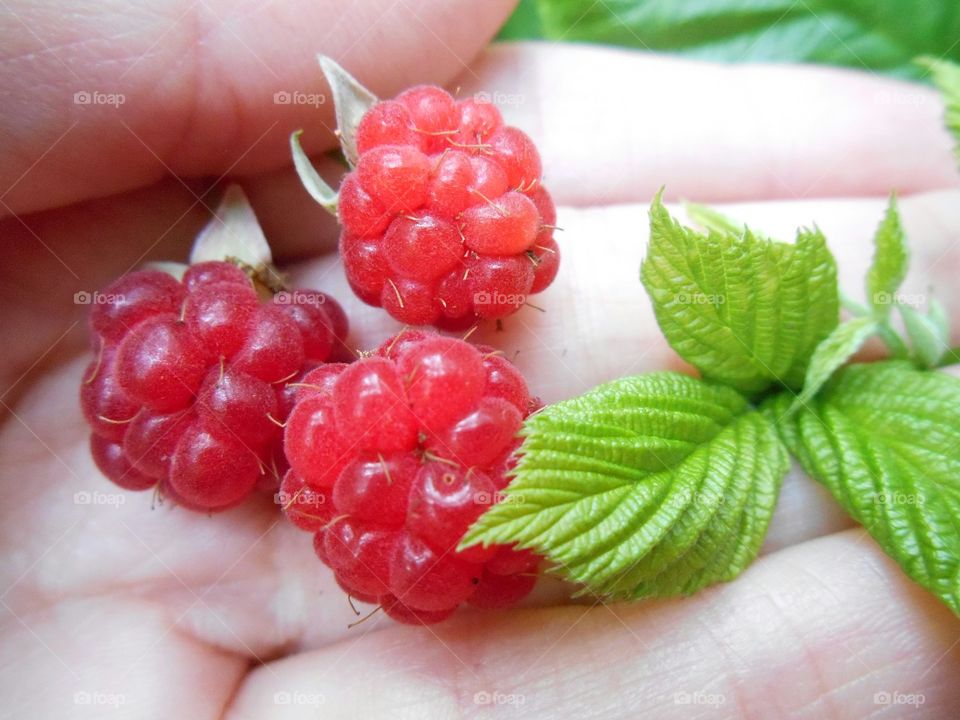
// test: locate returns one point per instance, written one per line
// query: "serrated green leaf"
(748, 312)
(711, 219)
(890, 260)
(833, 352)
(656, 485)
(946, 76)
(884, 438)
(315, 185)
(880, 35)
(928, 337)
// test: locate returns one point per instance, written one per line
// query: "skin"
(167, 613)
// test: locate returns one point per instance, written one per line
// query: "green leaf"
(524, 23)
(325, 195)
(747, 312)
(880, 35)
(928, 337)
(951, 357)
(938, 316)
(833, 352)
(946, 76)
(890, 261)
(710, 219)
(884, 438)
(655, 485)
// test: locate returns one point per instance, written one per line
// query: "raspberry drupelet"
(189, 387)
(445, 219)
(393, 458)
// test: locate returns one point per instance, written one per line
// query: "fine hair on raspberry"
(445, 218)
(393, 457)
(190, 384)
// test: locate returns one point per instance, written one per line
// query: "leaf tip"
(232, 232)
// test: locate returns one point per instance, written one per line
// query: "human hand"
(166, 611)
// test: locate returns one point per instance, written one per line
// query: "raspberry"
(408, 446)
(445, 220)
(194, 379)
(304, 506)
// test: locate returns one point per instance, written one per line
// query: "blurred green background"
(879, 35)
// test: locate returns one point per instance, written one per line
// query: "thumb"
(118, 98)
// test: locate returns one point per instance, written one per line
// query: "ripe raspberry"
(444, 218)
(193, 379)
(406, 448)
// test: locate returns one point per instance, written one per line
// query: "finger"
(107, 101)
(614, 125)
(95, 657)
(824, 629)
(48, 257)
(244, 581)
(805, 510)
(596, 322)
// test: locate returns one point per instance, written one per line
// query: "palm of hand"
(111, 602)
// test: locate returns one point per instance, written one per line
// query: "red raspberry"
(193, 380)
(407, 447)
(444, 218)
